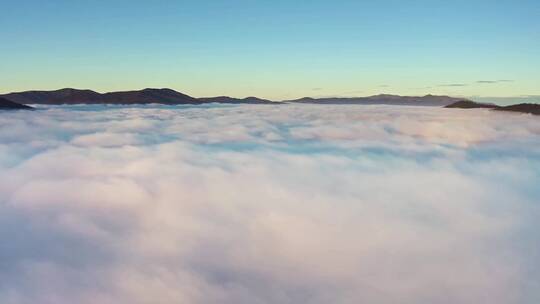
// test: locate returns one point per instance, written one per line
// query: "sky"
(274, 49)
(269, 204)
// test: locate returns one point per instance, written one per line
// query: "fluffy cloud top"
(269, 204)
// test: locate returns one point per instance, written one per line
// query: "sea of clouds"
(269, 204)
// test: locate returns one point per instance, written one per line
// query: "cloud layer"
(269, 204)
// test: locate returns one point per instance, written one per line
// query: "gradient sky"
(273, 49)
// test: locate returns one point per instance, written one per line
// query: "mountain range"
(20, 100)
(172, 97)
(427, 100)
(75, 96)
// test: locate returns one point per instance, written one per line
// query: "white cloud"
(269, 204)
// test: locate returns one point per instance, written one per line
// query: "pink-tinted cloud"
(269, 204)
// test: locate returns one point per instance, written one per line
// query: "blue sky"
(274, 49)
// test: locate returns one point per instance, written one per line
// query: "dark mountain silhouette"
(521, 108)
(75, 96)
(171, 97)
(531, 108)
(145, 96)
(161, 96)
(63, 96)
(10, 105)
(427, 100)
(467, 104)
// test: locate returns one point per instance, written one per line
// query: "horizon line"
(254, 96)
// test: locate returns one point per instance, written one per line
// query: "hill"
(530, 108)
(10, 105)
(427, 100)
(467, 104)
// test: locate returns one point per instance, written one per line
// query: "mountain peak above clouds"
(6, 104)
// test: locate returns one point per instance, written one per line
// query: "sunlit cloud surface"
(269, 204)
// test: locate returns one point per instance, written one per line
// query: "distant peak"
(158, 89)
(386, 95)
(70, 90)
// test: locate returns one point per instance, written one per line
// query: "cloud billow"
(269, 204)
